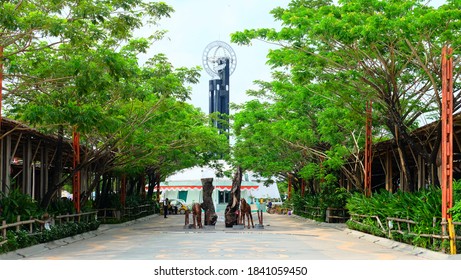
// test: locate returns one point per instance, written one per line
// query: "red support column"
(368, 153)
(76, 178)
(447, 139)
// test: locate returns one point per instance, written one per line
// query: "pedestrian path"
(284, 237)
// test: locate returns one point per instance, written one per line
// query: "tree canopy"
(73, 66)
(334, 58)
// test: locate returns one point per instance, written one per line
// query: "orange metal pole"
(447, 132)
(76, 178)
(368, 154)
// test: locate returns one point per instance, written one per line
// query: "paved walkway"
(283, 238)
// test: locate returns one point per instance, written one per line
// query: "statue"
(208, 207)
(231, 213)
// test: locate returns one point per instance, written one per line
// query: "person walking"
(259, 207)
(165, 207)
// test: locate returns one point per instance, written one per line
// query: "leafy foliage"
(21, 239)
(335, 56)
(75, 66)
(330, 196)
(17, 204)
(61, 206)
(421, 207)
(456, 209)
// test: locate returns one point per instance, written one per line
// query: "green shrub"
(61, 206)
(456, 209)
(420, 207)
(22, 239)
(17, 204)
(17, 240)
(367, 225)
(329, 196)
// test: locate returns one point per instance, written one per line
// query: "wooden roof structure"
(26, 157)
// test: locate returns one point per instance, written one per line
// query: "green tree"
(384, 51)
(297, 130)
(89, 79)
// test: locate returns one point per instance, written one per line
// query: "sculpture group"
(244, 212)
(236, 212)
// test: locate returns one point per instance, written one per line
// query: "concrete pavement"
(283, 238)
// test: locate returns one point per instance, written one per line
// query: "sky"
(196, 23)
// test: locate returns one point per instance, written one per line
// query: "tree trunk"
(157, 184)
(230, 214)
(93, 187)
(151, 184)
(403, 141)
(131, 186)
(408, 184)
(141, 185)
(207, 205)
(97, 190)
(106, 185)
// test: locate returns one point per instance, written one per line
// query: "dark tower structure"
(219, 61)
(219, 96)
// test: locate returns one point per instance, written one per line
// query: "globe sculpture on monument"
(219, 60)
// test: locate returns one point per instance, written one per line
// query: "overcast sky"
(196, 23)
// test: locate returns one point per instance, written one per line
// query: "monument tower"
(219, 60)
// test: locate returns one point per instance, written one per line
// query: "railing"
(19, 224)
(457, 226)
(137, 211)
(76, 217)
(312, 212)
(35, 225)
(406, 227)
(331, 214)
(401, 226)
(334, 215)
(106, 214)
(359, 219)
